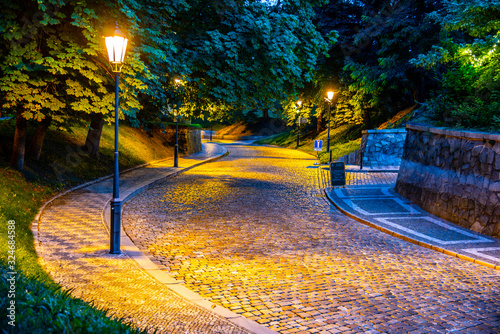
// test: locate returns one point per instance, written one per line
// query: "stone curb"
(408, 239)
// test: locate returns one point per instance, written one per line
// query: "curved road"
(252, 232)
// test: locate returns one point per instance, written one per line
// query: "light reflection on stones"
(249, 233)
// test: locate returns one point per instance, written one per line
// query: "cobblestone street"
(253, 232)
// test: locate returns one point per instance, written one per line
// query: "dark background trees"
(239, 59)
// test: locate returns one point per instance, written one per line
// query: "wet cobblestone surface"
(252, 232)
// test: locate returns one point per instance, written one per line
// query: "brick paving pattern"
(253, 232)
(74, 249)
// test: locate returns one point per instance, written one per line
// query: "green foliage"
(339, 150)
(250, 55)
(233, 57)
(467, 95)
(345, 113)
(53, 63)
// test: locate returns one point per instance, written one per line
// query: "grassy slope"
(343, 140)
(260, 127)
(40, 304)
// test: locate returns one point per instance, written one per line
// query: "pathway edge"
(408, 239)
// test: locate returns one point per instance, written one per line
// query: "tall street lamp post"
(116, 46)
(177, 83)
(299, 103)
(330, 97)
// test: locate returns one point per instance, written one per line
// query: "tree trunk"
(36, 143)
(91, 146)
(265, 113)
(367, 119)
(17, 159)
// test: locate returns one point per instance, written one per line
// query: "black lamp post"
(116, 46)
(176, 152)
(177, 83)
(329, 99)
(299, 103)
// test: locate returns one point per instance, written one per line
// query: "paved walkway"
(73, 244)
(254, 233)
(369, 197)
(249, 240)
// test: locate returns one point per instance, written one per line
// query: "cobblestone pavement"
(252, 232)
(74, 249)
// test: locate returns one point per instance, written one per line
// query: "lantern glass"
(330, 95)
(116, 45)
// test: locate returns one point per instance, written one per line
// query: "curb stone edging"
(405, 238)
(130, 250)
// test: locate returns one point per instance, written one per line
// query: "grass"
(343, 140)
(41, 305)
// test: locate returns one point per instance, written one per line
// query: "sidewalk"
(369, 198)
(72, 239)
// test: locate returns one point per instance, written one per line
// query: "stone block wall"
(189, 139)
(454, 175)
(382, 147)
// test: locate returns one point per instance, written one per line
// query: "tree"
(377, 40)
(466, 61)
(236, 56)
(53, 67)
(248, 54)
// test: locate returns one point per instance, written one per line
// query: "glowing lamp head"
(330, 95)
(299, 103)
(116, 46)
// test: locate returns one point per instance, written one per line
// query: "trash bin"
(337, 173)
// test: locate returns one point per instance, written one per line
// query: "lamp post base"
(116, 212)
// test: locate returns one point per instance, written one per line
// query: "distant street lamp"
(116, 46)
(330, 97)
(299, 103)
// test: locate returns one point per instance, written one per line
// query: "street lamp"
(116, 46)
(176, 151)
(330, 97)
(299, 103)
(177, 83)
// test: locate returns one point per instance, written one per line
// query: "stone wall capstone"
(382, 147)
(454, 175)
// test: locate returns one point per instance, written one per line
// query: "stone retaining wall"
(189, 139)
(454, 175)
(382, 147)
